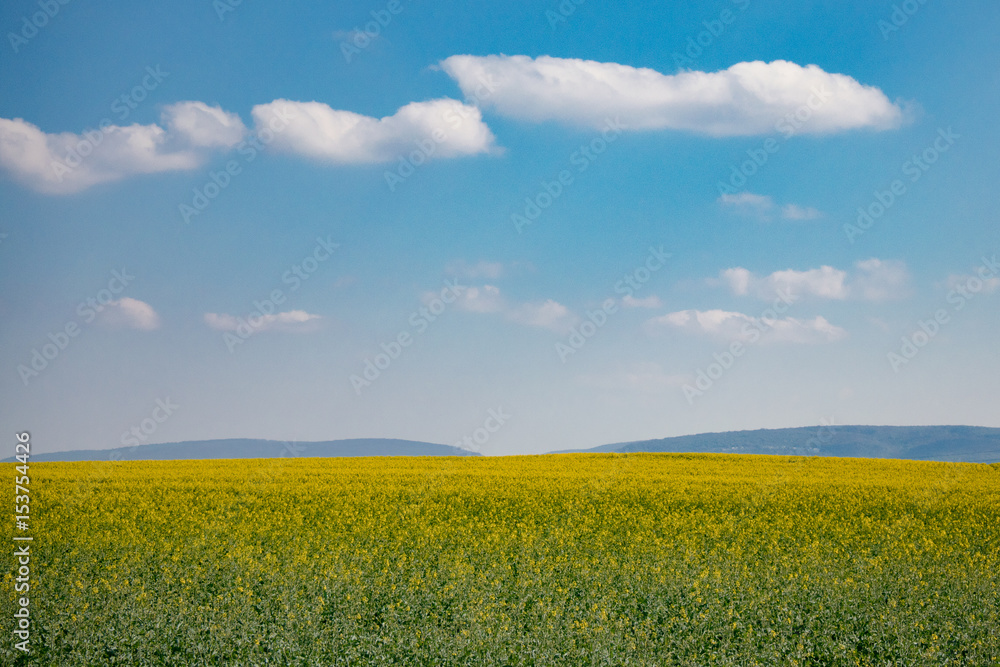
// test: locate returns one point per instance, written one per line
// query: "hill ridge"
(974, 444)
(255, 448)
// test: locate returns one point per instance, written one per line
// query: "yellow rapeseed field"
(582, 559)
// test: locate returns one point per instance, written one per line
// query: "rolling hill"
(244, 448)
(922, 443)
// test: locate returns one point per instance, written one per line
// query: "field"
(639, 559)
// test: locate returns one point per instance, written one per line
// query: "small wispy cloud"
(548, 314)
(734, 326)
(129, 313)
(487, 299)
(963, 281)
(764, 207)
(796, 212)
(872, 280)
(294, 321)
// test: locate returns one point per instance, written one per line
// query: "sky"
(518, 227)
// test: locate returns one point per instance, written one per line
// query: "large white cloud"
(65, 163)
(872, 280)
(201, 125)
(731, 326)
(446, 128)
(748, 98)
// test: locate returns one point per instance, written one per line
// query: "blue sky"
(489, 106)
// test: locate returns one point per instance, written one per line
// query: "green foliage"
(639, 559)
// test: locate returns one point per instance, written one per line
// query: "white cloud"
(748, 98)
(66, 163)
(485, 299)
(764, 207)
(731, 326)
(447, 127)
(967, 282)
(548, 314)
(873, 280)
(481, 269)
(651, 301)
(204, 126)
(825, 282)
(796, 212)
(294, 321)
(880, 280)
(129, 313)
(738, 279)
(748, 199)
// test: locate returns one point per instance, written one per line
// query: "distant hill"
(256, 449)
(922, 443)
